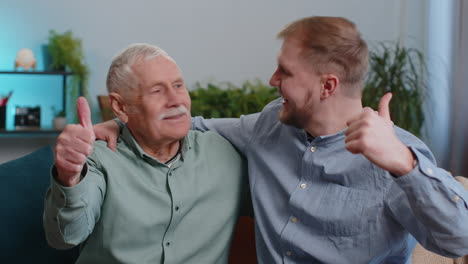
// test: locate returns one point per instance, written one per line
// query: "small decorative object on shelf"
(28, 118)
(3, 107)
(25, 59)
(4, 99)
(60, 122)
(60, 119)
(2, 117)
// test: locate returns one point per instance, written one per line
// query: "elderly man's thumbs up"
(74, 145)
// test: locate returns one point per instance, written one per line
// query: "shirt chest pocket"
(341, 211)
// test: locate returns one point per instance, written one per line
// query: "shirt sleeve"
(238, 131)
(70, 213)
(432, 206)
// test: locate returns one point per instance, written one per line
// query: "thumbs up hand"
(371, 134)
(74, 145)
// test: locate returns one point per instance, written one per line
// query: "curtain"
(458, 155)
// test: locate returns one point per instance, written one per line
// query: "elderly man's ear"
(118, 106)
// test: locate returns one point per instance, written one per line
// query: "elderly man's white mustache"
(180, 110)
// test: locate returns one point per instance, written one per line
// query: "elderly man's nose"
(173, 98)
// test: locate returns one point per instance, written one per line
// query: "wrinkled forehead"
(163, 68)
(156, 59)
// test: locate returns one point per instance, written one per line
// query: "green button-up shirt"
(130, 208)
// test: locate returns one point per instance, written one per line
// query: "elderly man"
(331, 181)
(166, 195)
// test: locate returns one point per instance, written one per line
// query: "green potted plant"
(229, 100)
(402, 71)
(66, 54)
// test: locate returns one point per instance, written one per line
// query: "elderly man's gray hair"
(121, 76)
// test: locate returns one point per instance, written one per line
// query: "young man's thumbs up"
(371, 134)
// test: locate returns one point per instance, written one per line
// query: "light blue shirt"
(315, 202)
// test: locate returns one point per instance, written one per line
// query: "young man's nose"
(274, 80)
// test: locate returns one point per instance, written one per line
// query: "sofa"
(423, 256)
(23, 184)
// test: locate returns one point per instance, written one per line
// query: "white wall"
(220, 40)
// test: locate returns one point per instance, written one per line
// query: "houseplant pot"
(60, 119)
(60, 122)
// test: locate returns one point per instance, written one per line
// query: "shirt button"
(288, 253)
(170, 173)
(294, 219)
(429, 171)
(177, 208)
(456, 198)
(168, 244)
(303, 186)
(313, 148)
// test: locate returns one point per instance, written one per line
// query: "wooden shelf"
(64, 75)
(37, 72)
(29, 133)
(41, 132)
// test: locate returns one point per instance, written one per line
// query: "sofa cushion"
(23, 184)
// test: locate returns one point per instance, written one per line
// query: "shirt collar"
(128, 138)
(326, 139)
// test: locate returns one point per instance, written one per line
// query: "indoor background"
(230, 40)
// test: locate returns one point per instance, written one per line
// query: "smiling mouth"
(175, 117)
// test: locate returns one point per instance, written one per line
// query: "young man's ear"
(329, 83)
(118, 106)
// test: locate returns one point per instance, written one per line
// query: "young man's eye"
(283, 71)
